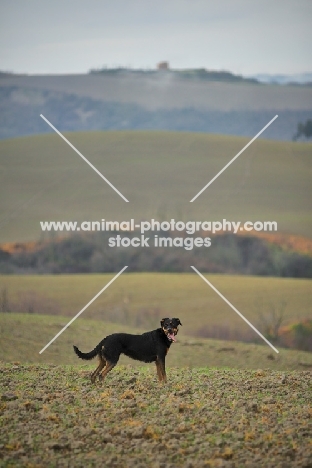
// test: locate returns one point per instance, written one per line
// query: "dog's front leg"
(161, 369)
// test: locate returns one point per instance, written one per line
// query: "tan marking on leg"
(161, 372)
(102, 363)
(158, 371)
(109, 367)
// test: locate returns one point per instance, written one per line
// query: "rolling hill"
(23, 336)
(125, 99)
(165, 90)
(142, 299)
(43, 179)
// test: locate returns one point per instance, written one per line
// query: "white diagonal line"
(85, 159)
(235, 157)
(234, 308)
(82, 310)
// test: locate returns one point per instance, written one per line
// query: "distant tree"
(271, 321)
(304, 129)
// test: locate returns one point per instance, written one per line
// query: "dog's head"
(170, 327)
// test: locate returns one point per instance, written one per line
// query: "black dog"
(149, 347)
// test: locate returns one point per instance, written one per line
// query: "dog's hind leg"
(102, 364)
(109, 366)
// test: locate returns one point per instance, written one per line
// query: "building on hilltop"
(163, 66)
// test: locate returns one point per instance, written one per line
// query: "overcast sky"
(242, 36)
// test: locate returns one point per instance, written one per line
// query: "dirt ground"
(52, 416)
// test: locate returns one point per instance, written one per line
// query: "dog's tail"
(87, 356)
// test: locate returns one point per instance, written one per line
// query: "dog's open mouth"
(171, 337)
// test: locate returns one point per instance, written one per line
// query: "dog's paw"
(92, 378)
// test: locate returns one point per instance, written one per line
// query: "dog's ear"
(178, 321)
(162, 322)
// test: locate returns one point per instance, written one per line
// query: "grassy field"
(141, 299)
(225, 404)
(24, 335)
(52, 416)
(42, 178)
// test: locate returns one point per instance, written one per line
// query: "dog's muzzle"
(171, 335)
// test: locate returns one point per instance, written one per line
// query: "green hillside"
(141, 300)
(42, 178)
(24, 335)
